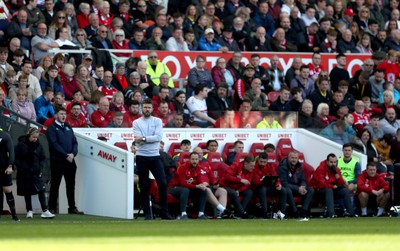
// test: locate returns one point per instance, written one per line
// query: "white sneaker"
(304, 219)
(47, 215)
(29, 215)
(281, 215)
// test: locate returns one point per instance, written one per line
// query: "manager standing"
(148, 134)
(63, 149)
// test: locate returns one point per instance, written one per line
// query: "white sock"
(184, 213)
(363, 211)
(221, 208)
(380, 211)
(201, 214)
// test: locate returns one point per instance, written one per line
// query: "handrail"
(14, 116)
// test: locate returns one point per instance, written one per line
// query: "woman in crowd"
(221, 74)
(83, 16)
(23, 106)
(120, 43)
(86, 83)
(179, 102)
(191, 15)
(94, 103)
(58, 61)
(69, 10)
(59, 21)
(81, 39)
(68, 82)
(323, 115)
(364, 45)
(43, 65)
(22, 84)
(199, 74)
(307, 118)
(30, 160)
(388, 102)
(117, 103)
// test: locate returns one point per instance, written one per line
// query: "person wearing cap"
(155, 68)
(347, 17)
(209, 43)
(243, 84)
(226, 40)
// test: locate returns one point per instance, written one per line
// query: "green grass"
(70, 232)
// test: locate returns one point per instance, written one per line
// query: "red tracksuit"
(235, 174)
(366, 183)
(324, 177)
(268, 170)
(360, 120)
(187, 176)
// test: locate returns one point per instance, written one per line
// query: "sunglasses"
(79, 35)
(142, 5)
(61, 17)
(153, 57)
(118, 35)
(104, 31)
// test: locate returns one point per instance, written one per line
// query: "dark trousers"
(264, 192)
(306, 198)
(153, 164)
(329, 195)
(246, 195)
(42, 200)
(59, 169)
(183, 194)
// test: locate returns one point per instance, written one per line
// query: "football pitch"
(83, 232)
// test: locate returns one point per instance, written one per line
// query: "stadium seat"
(121, 145)
(203, 146)
(239, 157)
(174, 149)
(183, 157)
(283, 148)
(256, 149)
(228, 149)
(214, 157)
(273, 96)
(308, 172)
(273, 160)
(301, 158)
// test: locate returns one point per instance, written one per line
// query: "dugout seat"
(283, 147)
(121, 145)
(174, 149)
(239, 157)
(203, 146)
(273, 160)
(256, 149)
(228, 149)
(183, 157)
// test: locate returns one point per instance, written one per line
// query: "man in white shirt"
(176, 42)
(33, 81)
(198, 107)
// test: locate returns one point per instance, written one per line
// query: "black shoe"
(75, 211)
(245, 215)
(52, 211)
(167, 217)
(15, 218)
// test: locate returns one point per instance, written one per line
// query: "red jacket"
(76, 122)
(324, 177)
(366, 183)
(69, 86)
(268, 170)
(235, 174)
(207, 175)
(128, 119)
(186, 176)
(360, 120)
(101, 120)
(124, 46)
(83, 20)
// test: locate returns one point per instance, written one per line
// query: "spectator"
(279, 43)
(190, 40)
(235, 64)
(323, 114)
(338, 73)
(83, 17)
(389, 123)
(259, 42)
(226, 40)
(307, 117)
(304, 81)
(361, 117)
(290, 33)
(296, 100)
(329, 44)
(199, 74)
(176, 41)
(179, 102)
(105, 17)
(102, 41)
(117, 103)
(346, 44)
(264, 19)
(376, 82)
(390, 66)
(260, 71)
(23, 106)
(44, 65)
(51, 79)
(209, 43)
(378, 42)
(338, 132)
(4, 101)
(329, 184)
(9, 81)
(119, 80)
(59, 22)
(81, 40)
(218, 101)
(221, 74)
(76, 118)
(269, 122)
(364, 45)
(360, 87)
(107, 89)
(5, 66)
(21, 28)
(156, 42)
(164, 81)
(243, 84)
(69, 10)
(309, 16)
(155, 68)
(198, 107)
(86, 83)
(322, 94)
(42, 43)
(276, 75)
(132, 114)
(98, 75)
(141, 20)
(22, 84)
(117, 120)
(293, 71)
(241, 33)
(43, 107)
(35, 16)
(48, 12)
(93, 104)
(258, 99)
(120, 43)
(137, 42)
(161, 22)
(103, 116)
(162, 96)
(393, 42)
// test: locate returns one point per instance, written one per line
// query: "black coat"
(216, 106)
(29, 161)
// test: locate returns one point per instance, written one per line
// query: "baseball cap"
(208, 31)
(88, 56)
(349, 12)
(249, 66)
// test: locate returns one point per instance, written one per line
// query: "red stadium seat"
(121, 145)
(203, 146)
(174, 149)
(301, 158)
(228, 149)
(308, 172)
(256, 149)
(239, 157)
(183, 157)
(273, 160)
(213, 157)
(283, 148)
(273, 96)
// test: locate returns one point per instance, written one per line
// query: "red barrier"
(180, 63)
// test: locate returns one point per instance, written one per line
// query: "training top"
(151, 129)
